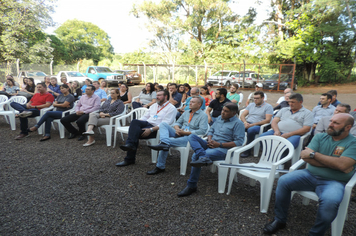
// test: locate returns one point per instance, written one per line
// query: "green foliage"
(84, 40)
(21, 25)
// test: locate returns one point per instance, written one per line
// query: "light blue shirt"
(188, 101)
(224, 131)
(320, 112)
(198, 125)
(258, 113)
(101, 93)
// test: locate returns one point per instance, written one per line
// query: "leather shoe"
(201, 162)
(81, 137)
(124, 163)
(245, 154)
(186, 191)
(273, 227)
(127, 147)
(71, 136)
(155, 171)
(161, 146)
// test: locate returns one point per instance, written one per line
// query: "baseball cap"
(260, 85)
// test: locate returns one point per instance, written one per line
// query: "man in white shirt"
(148, 125)
(281, 99)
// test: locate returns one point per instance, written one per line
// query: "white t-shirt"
(281, 99)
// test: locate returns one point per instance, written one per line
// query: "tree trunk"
(309, 71)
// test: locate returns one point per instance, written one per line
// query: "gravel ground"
(59, 187)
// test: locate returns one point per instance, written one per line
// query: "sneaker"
(21, 136)
(25, 114)
(204, 161)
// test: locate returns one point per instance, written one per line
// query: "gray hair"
(200, 99)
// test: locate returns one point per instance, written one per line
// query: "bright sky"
(127, 33)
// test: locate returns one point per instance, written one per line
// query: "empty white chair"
(273, 148)
(9, 115)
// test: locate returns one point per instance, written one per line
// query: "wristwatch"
(221, 145)
(312, 155)
(151, 130)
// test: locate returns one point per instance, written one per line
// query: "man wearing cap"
(259, 87)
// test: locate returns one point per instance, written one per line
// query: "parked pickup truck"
(100, 73)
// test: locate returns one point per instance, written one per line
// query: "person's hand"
(145, 133)
(101, 114)
(79, 113)
(210, 119)
(305, 154)
(247, 125)
(285, 135)
(145, 106)
(180, 132)
(213, 144)
(277, 133)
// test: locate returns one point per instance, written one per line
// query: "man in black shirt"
(217, 105)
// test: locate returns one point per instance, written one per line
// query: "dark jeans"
(134, 135)
(136, 105)
(24, 121)
(80, 120)
(48, 117)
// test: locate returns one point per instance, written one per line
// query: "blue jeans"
(48, 117)
(24, 121)
(168, 136)
(293, 139)
(330, 193)
(251, 133)
(201, 149)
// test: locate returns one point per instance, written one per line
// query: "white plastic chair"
(298, 150)
(337, 225)
(108, 128)
(120, 122)
(58, 121)
(241, 98)
(272, 149)
(222, 174)
(8, 115)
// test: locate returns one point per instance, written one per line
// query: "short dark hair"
(174, 84)
(296, 96)
(347, 106)
(262, 94)
(92, 87)
(96, 82)
(222, 91)
(127, 87)
(43, 84)
(232, 107)
(64, 85)
(160, 87)
(350, 120)
(165, 93)
(328, 96)
(209, 84)
(89, 80)
(332, 92)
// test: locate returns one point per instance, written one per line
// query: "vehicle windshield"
(242, 75)
(35, 73)
(220, 73)
(75, 74)
(103, 69)
(284, 77)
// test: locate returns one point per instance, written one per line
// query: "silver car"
(72, 76)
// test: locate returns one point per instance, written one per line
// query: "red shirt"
(41, 99)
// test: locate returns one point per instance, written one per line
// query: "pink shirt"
(88, 104)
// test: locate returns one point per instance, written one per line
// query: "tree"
(84, 40)
(21, 25)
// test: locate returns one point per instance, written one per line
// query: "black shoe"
(245, 154)
(127, 147)
(45, 138)
(161, 146)
(71, 136)
(81, 137)
(124, 163)
(155, 171)
(186, 191)
(205, 161)
(273, 227)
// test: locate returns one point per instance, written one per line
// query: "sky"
(127, 33)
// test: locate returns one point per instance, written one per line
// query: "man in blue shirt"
(175, 98)
(98, 91)
(193, 121)
(227, 132)
(53, 88)
(194, 92)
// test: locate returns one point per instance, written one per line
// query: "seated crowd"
(184, 114)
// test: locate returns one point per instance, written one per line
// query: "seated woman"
(54, 88)
(187, 89)
(146, 98)
(87, 82)
(212, 93)
(110, 108)
(10, 89)
(24, 84)
(75, 90)
(125, 95)
(63, 102)
(29, 90)
(104, 86)
(204, 92)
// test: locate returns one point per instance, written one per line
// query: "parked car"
(100, 73)
(132, 77)
(71, 76)
(285, 82)
(251, 78)
(222, 78)
(38, 76)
